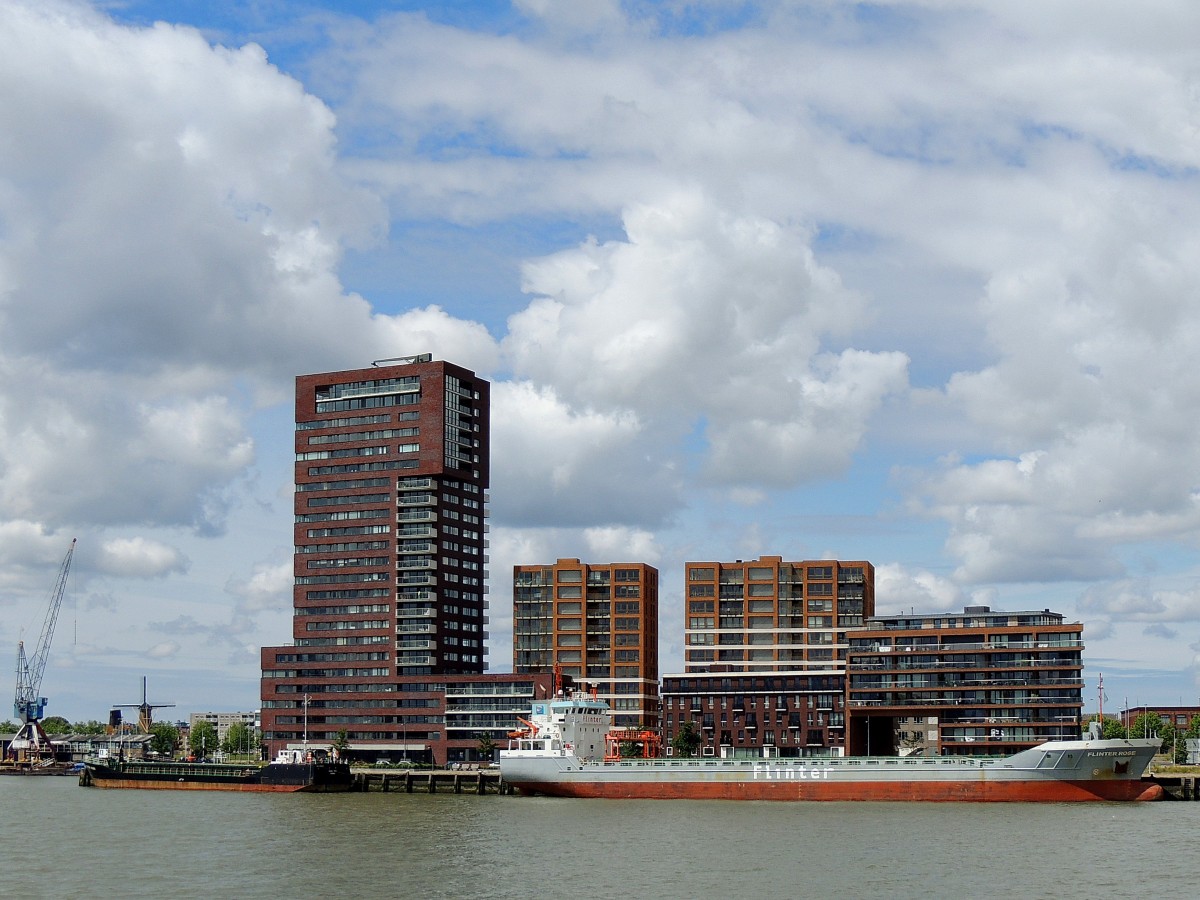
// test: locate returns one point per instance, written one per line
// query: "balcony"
(416, 661)
(416, 562)
(416, 645)
(406, 547)
(404, 580)
(414, 483)
(414, 629)
(408, 595)
(416, 515)
(416, 499)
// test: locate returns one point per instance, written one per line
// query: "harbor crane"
(31, 741)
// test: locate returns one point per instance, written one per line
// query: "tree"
(8, 727)
(1111, 730)
(486, 746)
(203, 739)
(1148, 724)
(687, 741)
(56, 725)
(164, 737)
(241, 738)
(341, 743)
(90, 727)
(629, 749)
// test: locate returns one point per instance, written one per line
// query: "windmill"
(145, 710)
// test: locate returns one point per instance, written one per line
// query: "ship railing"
(808, 762)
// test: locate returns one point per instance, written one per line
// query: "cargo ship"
(291, 771)
(569, 749)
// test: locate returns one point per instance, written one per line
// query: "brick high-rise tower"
(392, 467)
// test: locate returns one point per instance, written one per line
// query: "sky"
(910, 282)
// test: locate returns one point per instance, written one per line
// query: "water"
(60, 840)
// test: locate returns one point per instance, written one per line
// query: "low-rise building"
(426, 720)
(1179, 717)
(756, 714)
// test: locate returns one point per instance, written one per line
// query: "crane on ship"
(31, 742)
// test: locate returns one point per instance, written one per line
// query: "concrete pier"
(431, 781)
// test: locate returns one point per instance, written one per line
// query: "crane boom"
(28, 706)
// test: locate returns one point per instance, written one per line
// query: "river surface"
(63, 841)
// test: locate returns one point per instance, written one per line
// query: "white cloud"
(431, 329)
(173, 217)
(268, 587)
(558, 466)
(614, 544)
(899, 590)
(164, 650)
(795, 217)
(1133, 601)
(706, 317)
(139, 558)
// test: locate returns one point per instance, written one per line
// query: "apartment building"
(980, 682)
(597, 624)
(392, 471)
(767, 615)
(764, 655)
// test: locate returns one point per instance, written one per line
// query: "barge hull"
(275, 778)
(142, 784)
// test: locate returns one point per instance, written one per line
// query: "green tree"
(56, 725)
(687, 741)
(629, 749)
(1148, 724)
(1111, 730)
(341, 743)
(203, 738)
(8, 727)
(1170, 742)
(242, 739)
(90, 727)
(486, 746)
(164, 737)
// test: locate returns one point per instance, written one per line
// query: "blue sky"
(905, 281)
